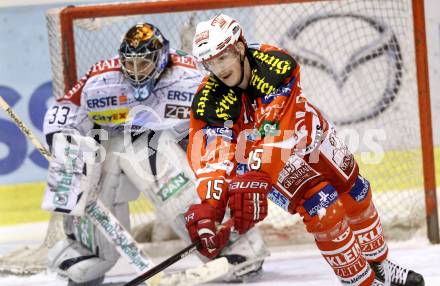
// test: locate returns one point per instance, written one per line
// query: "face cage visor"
(140, 68)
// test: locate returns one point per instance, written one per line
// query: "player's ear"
(241, 48)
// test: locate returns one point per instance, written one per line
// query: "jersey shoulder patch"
(275, 59)
(215, 102)
(270, 67)
(105, 66)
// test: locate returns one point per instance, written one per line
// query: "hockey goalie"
(119, 131)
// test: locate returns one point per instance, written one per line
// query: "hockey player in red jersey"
(250, 109)
(156, 84)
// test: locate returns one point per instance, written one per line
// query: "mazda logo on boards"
(369, 39)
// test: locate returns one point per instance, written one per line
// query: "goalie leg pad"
(115, 186)
(70, 259)
(164, 177)
(82, 230)
(324, 216)
(89, 249)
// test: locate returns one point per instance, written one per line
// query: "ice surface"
(297, 265)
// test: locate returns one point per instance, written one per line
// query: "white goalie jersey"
(104, 100)
(103, 105)
(104, 97)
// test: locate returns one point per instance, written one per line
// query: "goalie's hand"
(201, 225)
(248, 199)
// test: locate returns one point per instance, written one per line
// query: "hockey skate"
(243, 270)
(245, 257)
(377, 283)
(396, 274)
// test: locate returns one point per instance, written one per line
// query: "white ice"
(297, 265)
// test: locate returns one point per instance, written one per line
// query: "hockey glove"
(202, 225)
(248, 199)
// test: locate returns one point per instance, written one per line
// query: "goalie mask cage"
(364, 64)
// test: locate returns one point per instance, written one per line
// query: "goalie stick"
(108, 224)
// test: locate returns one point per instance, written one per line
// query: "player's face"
(226, 66)
(138, 67)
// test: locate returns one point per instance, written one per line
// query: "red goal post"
(388, 41)
(425, 121)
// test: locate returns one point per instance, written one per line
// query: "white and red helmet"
(214, 36)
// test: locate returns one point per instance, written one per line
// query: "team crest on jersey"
(269, 128)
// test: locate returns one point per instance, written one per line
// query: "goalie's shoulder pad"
(180, 58)
(103, 66)
(216, 103)
(271, 67)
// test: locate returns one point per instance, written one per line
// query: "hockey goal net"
(360, 65)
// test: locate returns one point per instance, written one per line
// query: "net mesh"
(358, 67)
(30, 260)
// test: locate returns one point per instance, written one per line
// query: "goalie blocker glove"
(248, 199)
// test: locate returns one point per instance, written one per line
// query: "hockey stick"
(23, 128)
(173, 259)
(96, 211)
(164, 264)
